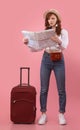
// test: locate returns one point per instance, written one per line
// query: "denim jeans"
(47, 65)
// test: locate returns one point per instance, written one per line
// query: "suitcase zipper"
(34, 108)
(26, 100)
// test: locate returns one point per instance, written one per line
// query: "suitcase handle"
(28, 68)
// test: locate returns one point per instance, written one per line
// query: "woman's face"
(52, 20)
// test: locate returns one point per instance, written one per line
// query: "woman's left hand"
(56, 39)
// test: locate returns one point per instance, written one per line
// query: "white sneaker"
(43, 119)
(62, 120)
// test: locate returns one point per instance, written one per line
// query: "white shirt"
(58, 48)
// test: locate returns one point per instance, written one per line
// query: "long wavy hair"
(58, 23)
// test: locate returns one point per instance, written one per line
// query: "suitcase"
(23, 102)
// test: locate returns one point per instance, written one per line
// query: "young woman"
(53, 60)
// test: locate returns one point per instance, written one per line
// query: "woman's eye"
(53, 18)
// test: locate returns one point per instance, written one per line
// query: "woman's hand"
(25, 40)
(56, 39)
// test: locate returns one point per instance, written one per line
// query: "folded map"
(39, 40)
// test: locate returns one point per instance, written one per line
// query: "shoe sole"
(43, 123)
(63, 123)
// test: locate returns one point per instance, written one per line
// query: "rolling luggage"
(23, 101)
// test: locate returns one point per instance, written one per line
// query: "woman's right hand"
(25, 40)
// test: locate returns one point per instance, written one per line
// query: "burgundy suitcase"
(23, 102)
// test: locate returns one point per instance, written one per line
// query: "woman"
(53, 60)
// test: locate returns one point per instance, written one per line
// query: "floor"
(72, 116)
(50, 125)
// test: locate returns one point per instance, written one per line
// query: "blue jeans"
(47, 65)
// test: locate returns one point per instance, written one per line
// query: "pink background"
(17, 15)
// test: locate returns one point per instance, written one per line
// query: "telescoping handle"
(28, 68)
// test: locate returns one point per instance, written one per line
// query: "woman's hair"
(58, 23)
